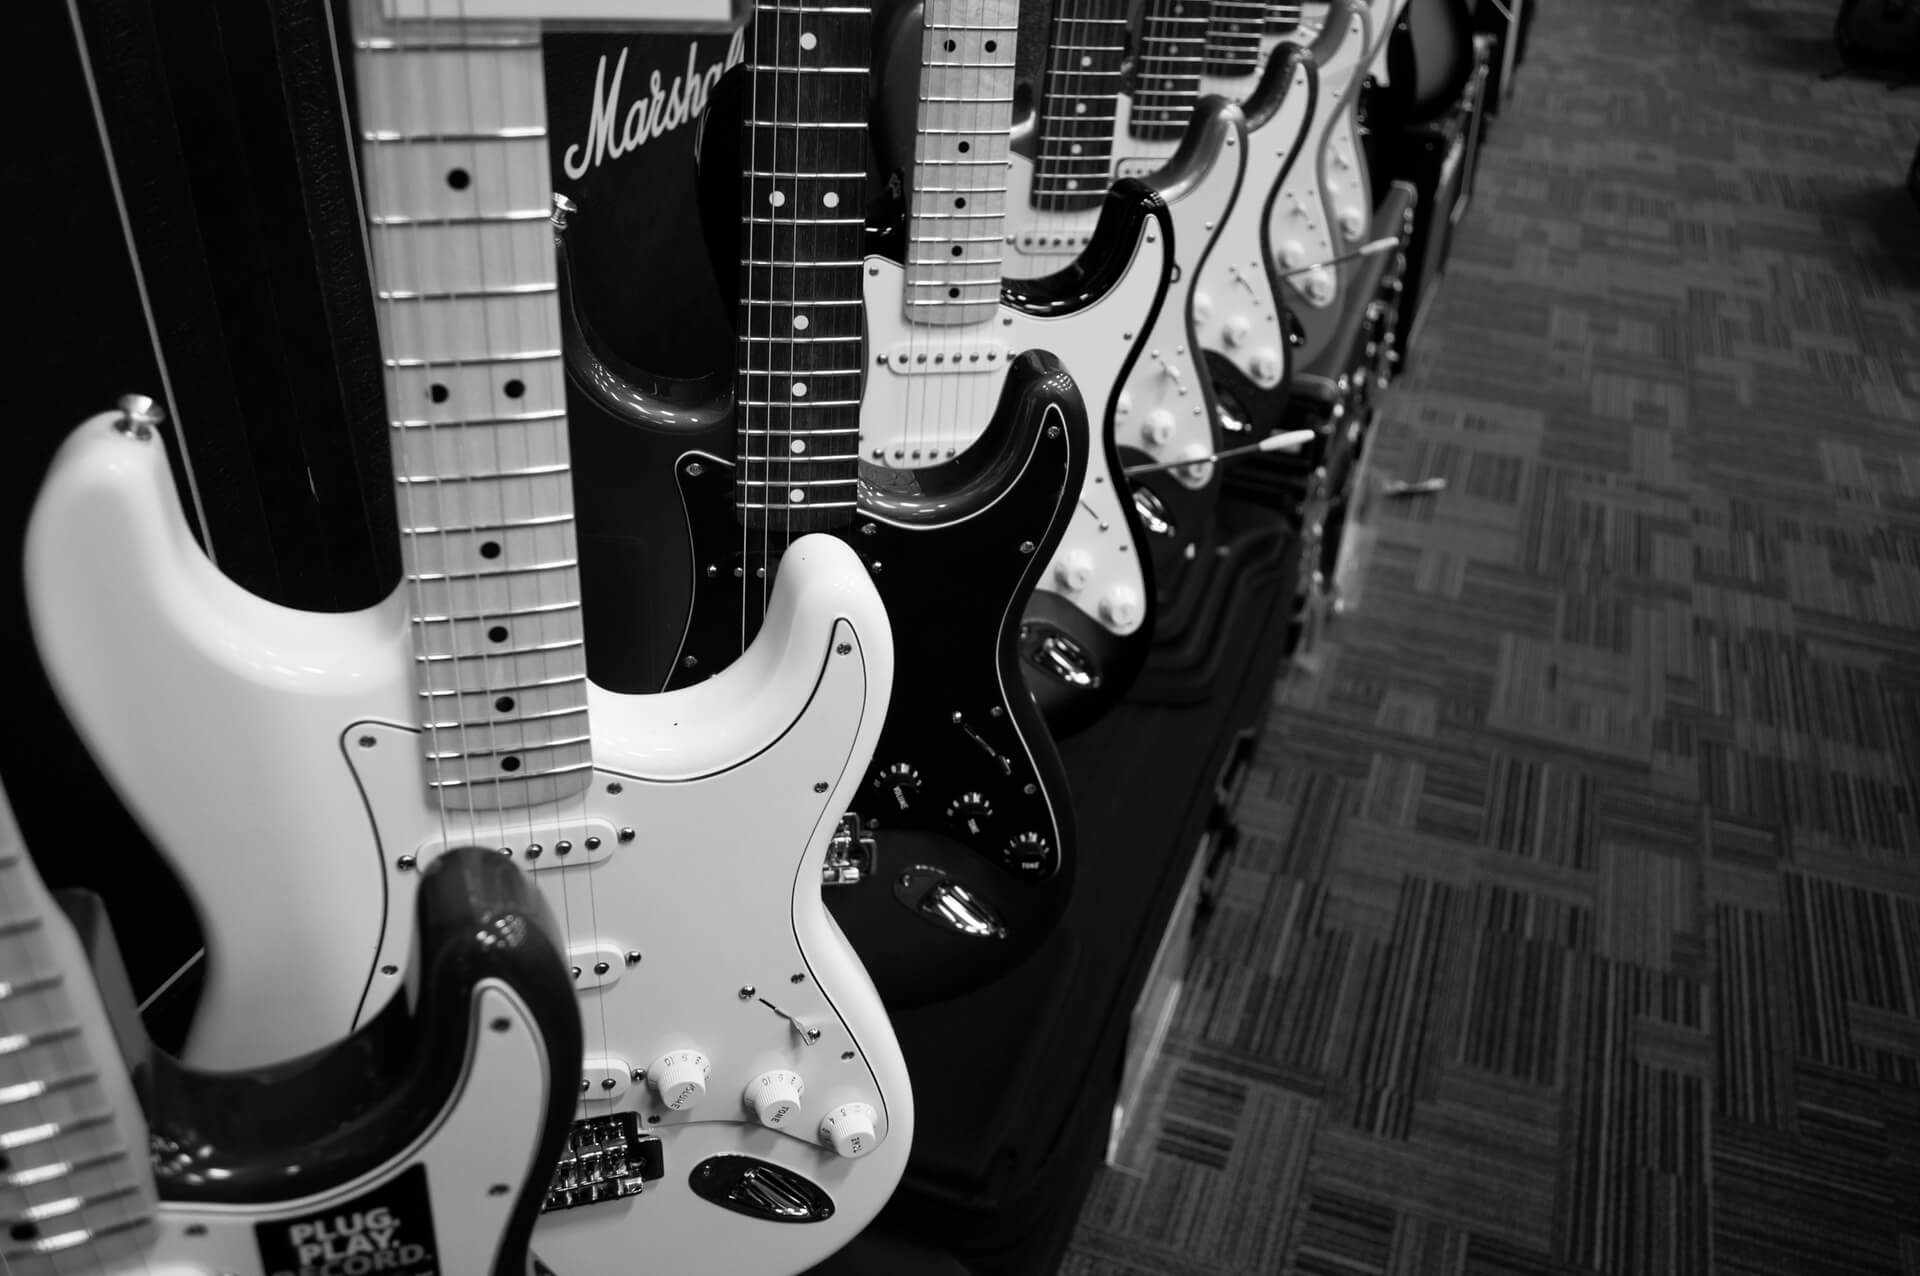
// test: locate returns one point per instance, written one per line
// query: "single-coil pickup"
(1048, 243)
(574, 844)
(598, 965)
(1143, 167)
(912, 359)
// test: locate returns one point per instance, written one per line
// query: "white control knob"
(1158, 427)
(680, 1077)
(774, 1097)
(1320, 286)
(1266, 365)
(1123, 404)
(1197, 475)
(1352, 222)
(849, 1129)
(1121, 607)
(1293, 255)
(1202, 306)
(1235, 330)
(1074, 568)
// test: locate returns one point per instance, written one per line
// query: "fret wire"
(541, 609)
(562, 743)
(852, 429)
(487, 572)
(505, 653)
(558, 680)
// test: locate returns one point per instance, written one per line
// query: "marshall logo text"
(610, 134)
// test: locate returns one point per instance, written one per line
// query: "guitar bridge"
(849, 854)
(606, 1158)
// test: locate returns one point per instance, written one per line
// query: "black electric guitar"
(963, 854)
(1429, 63)
(428, 1141)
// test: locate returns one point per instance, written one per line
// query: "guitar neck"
(454, 160)
(1233, 37)
(1283, 17)
(76, 1187)
(1173, 49)
(1080, 99)
(803, 148)
(959, 210)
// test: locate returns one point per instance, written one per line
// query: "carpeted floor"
(1578, 927)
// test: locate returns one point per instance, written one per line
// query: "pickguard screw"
(746, 992)
(633, 957)
(1029, 790)
(997, 712)
(639, 1074)
(812, 1035)
(626, 835)
(1053, 431)
(688, 662)
(874, 566)
(614, 787)
(500, 1025)
(906, 879)
(367, 742)
(869, 529)
(1027, 547)
(695, 469)
(601, 967)
(957, 715)
(797, 979)
(845, 649)
(593, 843)
(820, 786)
(498, 1189)
(846, 1055)
(405, 863)
(389, 970)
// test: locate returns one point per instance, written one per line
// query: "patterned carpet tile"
(1574, 928)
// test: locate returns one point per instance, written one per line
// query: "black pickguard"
(955, 551)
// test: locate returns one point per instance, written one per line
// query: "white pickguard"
(1161, 409)
(238, 733)
(1235, 311)
(915, 418)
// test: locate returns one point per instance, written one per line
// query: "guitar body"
(424, 1142)
(1164, 409)
(1429, 62)
(274, 754)
(967, 798)
(1324, 208)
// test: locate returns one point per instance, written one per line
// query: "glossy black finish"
(1429, 62)
(956, 551)
(352, 1109)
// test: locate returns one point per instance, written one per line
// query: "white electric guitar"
(1089, 133)
(1322, 216)
(299, 770)
(940, 331)
(424, 1142)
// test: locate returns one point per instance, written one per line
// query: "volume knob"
(1074, 568)
(850, 1129)
(680, 1078)
(1158, 427)
(1235, 330)
(774, 1097)
(1122, 606)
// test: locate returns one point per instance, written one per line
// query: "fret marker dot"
(1079, 108)
(831, 199)
(957, 250)
(965, 147)
(504, 704)
(1076, 148)
(1086, 61)
(960, 201)
(800, 322)
(437, 392)
(951, 45)
(799, 389)
(490, 549)
(459, 179)
(953, 292)
(797, 495)
(515, 388)
(1073, 183)
(497, 634)
(798, 445)
(991, 45)
(777, 198)
(509, 764)
(808, 39)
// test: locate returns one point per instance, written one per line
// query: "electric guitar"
(302, 769)
(939, 313)
(964, 855)
(425, 1141)
(1319, 221)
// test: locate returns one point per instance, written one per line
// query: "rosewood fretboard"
(1173, 49)
(1080, 98)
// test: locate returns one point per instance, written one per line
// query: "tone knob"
(1074, 568)
(1235, 330)
(1123, 404)
(970, 809)
(1266, 365)
(1121, 606)
(774, 1097)
(1320, 286)
(1029, 853)
(1202, 306)
(680, 1078)
(1293, 254)
(1352, 222)
(1158, 427)
(1198, 474)
(850, 1129)
(901, 779)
